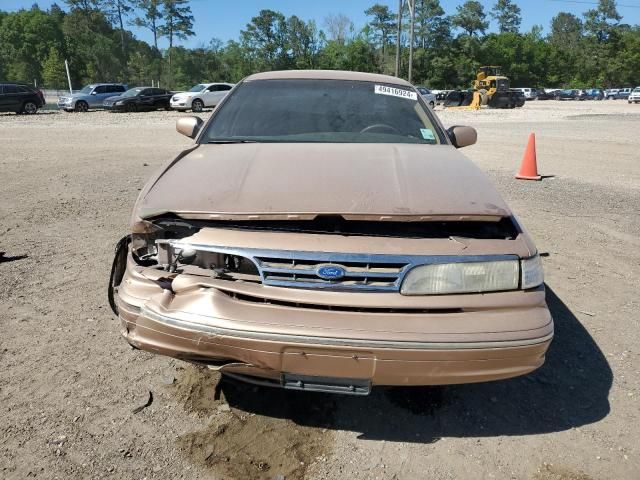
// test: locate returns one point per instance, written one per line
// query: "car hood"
(116, 98)
(186, 94)
(302, 180)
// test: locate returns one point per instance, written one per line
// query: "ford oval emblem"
(330, 272)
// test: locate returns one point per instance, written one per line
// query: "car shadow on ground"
(570, 390)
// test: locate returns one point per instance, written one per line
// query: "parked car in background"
(302, 241)
(91, 96)
(428, 96)
(634, 96)
(440, 95)
(619, 94)
(594, 94)
(609, 92)
(529, 93)
(20, 98)
(200, 96)
(138, 99)
(570, 94)
(543, 94)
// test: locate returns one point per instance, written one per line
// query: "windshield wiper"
(231, 141)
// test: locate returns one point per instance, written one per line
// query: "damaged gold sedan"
(323, 233)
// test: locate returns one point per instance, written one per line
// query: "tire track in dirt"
(238, 440)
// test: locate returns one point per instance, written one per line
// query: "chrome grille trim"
(386, 275)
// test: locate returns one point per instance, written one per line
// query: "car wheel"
(432, 105)
(29, 108)
(197, 105)
(82, 106)
(131, 107)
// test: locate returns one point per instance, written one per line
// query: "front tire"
(29, 108)
(432, 105)
(197, 105)
(82, 106)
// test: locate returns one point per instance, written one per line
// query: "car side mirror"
(94, 93)
(189, 126)
(462, 136)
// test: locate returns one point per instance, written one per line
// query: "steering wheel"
(380, 127)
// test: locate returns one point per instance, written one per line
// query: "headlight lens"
(532, 273)
(462, 277)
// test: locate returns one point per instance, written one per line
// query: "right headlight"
(461, 277)
(473, 277)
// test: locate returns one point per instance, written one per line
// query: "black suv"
(20, 98)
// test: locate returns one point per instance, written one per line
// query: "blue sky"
(225, 19)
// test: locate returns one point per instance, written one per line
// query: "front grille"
(302, 271)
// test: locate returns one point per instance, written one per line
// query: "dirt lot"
(69, 385)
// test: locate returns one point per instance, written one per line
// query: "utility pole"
(66, 66)
(412, 12)
(400, 2)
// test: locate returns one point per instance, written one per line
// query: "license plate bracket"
(348, 386)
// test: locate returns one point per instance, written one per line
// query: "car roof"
(327, 75)
(215, 83)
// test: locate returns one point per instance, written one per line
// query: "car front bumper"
(490, 337)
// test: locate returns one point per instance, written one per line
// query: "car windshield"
(636, 90)
(132, 92)
(87, 90)
(197, 88)
(326, 111)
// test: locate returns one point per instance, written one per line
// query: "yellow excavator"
(490, 88)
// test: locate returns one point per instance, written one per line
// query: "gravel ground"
(69, 385)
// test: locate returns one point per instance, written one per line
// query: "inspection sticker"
(427, 134)
(395, 92)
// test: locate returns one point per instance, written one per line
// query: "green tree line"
(593, 49)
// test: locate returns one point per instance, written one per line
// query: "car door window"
(10, 89)
(224, 88)
(101, 89)
(212, 88)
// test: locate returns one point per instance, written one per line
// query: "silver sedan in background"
(427, 96)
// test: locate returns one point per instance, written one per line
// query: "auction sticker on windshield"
(395, 92)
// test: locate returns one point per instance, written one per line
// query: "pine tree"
(507, 14)
(53, 70)
(178, 24)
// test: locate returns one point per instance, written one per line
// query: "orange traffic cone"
(529, 167)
